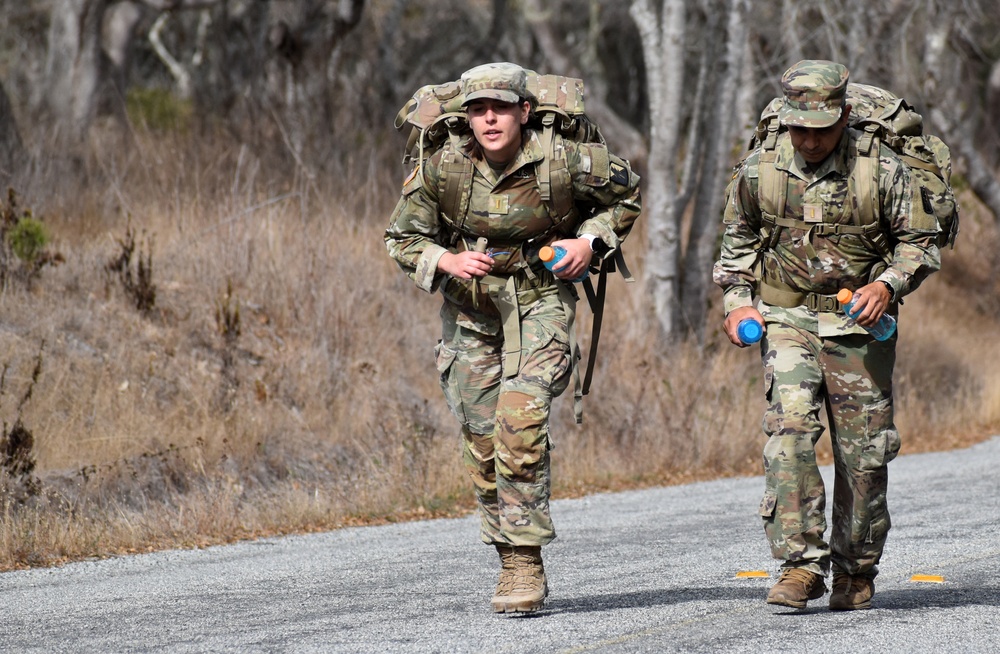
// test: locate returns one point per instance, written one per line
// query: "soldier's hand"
(872, 299)
(733, 320)
(578, 257)
(466, 264)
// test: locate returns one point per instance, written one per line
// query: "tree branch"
(179, 73)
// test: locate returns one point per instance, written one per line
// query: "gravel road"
(644, 571)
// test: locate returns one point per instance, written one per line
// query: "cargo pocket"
(773, 417)
(445, 360)
(767, 505)
(547, 363)
(882, 439)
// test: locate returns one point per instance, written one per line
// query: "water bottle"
(882, 330)
(750, 331)
(552, 255)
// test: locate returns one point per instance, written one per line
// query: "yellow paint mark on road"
(751, 574)
(930, 579)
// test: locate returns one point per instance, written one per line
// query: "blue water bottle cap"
(750, 330)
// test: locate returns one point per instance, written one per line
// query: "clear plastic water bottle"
(750, 331)
(552, 255)
(882, 330)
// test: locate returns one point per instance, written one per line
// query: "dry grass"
(282, 381)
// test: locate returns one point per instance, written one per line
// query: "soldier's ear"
(846, 113)
(525, 112)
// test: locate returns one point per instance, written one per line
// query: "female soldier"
(506, 353)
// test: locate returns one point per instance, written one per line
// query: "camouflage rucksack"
(881, 117)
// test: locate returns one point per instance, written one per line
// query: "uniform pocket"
(445, 361)
(773, 420)
(882, 439)
(933, 203)
(767, 505)
(768, 382)
(546, 360)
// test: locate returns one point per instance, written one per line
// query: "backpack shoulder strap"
(863, 189)
(772, 187)
(862, 183)
(772, 190)
(455, 184)
(555, 182)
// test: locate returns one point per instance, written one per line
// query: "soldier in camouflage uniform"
(786, 277)
(505, 353)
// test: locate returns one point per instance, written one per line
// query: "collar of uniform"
(531, 149)
(787, 160)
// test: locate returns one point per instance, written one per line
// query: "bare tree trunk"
(180, 72)
(718, 138)
(791, 39)
(12, 155)
(309, 42)
(119, 31)
(73, 68)
(661, 32)
(940, 91)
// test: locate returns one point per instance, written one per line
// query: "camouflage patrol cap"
(814, 92)
(500, 81)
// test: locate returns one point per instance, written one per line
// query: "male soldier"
(791, 241)
(507, 321)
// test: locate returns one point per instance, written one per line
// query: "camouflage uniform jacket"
(823, 264)
(507, 209)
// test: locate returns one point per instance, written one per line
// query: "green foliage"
(28, 239)
(22, 244)
(158, 109)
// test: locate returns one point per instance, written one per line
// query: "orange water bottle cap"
(845, 296)
(546, 253)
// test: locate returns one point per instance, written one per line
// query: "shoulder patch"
(619, 174)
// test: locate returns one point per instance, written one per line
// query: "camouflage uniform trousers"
(852, 376)
(505, 422)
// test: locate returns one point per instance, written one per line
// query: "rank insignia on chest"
(812, 213)
(499, 204)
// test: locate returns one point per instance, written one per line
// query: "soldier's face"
(816, 144)
(497, 127)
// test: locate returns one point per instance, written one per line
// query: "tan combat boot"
(506, 581)
(528, 588)
(796, 587)
(851, 593)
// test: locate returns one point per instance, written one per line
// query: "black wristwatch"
(599, 247)
(892, 293)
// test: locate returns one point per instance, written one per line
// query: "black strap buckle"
(817, 302)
